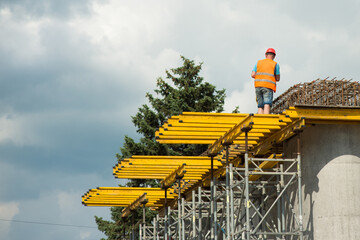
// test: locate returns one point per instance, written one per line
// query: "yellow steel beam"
(190, 141)
(324, 113)
(285, 133)
(163, 163)
(124, 196)
(199, 125)
(160, 167)
(231, 135)
(169, 157)
(170, 179)
(160, 133)
(166, 129)
(141, 200)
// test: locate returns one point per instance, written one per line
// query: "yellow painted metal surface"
(217, 130)
(124, 196)
(161, 167)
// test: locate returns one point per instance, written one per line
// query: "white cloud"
(7, 212)
(18, 130)
(245, 99)
(22, 40)
(85, 235)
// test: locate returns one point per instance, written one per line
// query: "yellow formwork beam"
(218, 130)
(231, 135)
(161, 167)
(198, 125)
(278, 137)
(144, 157)
(194, 132)
(124, 196)
(141, 200)
(191, 141)
(324, 113)
(212, 117)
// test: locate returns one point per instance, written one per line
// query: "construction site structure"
(291, 175)
(320, 92)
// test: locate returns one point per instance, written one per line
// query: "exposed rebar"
(320, 92)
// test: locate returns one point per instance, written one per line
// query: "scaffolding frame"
(238, 191)
(243, 205)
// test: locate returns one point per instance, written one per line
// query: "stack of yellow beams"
(196, 127)
(161, 167)
(124, 196)
(264, 131)
(217, 129)
(209, 128)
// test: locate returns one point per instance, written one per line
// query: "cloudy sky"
(72, 73)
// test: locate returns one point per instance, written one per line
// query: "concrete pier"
(331, 181)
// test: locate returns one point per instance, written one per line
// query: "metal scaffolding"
(250, 203)
(243, 188)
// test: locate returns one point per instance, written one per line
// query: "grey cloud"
(39, 8)
(64, 76)
(29, 184)
(73, 146)
(323, 14)
(58, 207)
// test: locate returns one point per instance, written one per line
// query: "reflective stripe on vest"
(267, 74)
(265, 80)
(264, 76)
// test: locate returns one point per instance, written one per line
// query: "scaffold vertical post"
(278, 191)
(200, 214)
(132, 226)
(157, 227)
(227, 189)
(179, 209)
(215, 211)
(193, 214)
(183, 219)
(212, 204)
(140, 232)
(282, 184)
(247, 190)
(299, 185)
(232, 202)
(165, 216)
(154, 227)
(144, 220)
(169, 223)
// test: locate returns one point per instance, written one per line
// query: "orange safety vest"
(265, 74)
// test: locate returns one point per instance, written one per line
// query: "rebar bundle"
(320, 92)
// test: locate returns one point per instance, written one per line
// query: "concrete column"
(330, 181)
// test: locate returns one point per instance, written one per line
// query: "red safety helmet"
(270, 50)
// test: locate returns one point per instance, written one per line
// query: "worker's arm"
(277, 72)
(253, 74)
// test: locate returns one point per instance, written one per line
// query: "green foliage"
(236, 110)
(183, 91)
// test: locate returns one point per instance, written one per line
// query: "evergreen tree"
(186, 92)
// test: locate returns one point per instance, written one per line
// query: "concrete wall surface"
(331, 181)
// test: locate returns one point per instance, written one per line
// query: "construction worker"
(266, 73)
